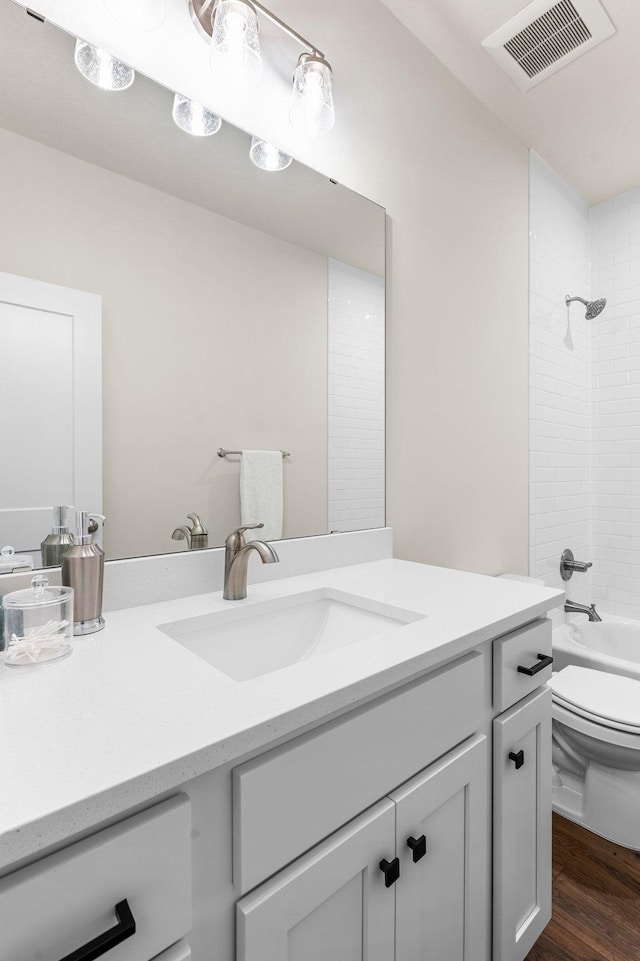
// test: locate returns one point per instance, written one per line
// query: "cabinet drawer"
(520, 650)
(61, 903)
(289, 799)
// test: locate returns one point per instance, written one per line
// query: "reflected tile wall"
(356, 412)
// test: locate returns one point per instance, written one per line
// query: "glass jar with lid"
(38, 624)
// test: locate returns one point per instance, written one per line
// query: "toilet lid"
(612, 700)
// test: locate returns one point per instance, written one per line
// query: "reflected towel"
(261, 493)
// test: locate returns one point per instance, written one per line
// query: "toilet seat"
(608, 700)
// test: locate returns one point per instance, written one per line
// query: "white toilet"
(596, 752)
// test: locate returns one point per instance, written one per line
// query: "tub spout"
(571, 607)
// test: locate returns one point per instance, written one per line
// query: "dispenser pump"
(86, 525)
(60, 519)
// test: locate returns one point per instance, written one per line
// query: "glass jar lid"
(38, 595)
(10, 562)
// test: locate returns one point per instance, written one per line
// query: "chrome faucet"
(571, 607)
(236, 560)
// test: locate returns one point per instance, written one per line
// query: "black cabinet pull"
(543, 661)
(518, 758)
(418, 847)
(125, 928)
(391, 871)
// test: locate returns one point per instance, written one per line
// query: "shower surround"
(585, 392)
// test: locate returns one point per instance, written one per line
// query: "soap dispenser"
(83, 570)
(60, 538)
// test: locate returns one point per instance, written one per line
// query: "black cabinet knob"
(418, 847)
(543, 661)
(125, 928)
(518, 758)
(391, 871)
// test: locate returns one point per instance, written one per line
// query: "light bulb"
(193, 118)
(268, 157)
(101, 69)
(140, 15)
(235, 46)
(312, 110)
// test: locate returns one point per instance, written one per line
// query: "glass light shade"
(268, 157)
(141, 15)
(235, 46)
(101, 68)
(194, 118)
(312, 110)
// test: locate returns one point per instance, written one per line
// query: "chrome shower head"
(594, 307)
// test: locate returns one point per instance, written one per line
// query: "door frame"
(25, 527)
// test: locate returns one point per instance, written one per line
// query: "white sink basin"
(255, 639)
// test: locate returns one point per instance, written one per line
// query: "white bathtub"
(613, 645)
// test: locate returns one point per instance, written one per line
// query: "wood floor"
(596, 899)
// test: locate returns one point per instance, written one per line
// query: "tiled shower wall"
(356, 399)
(585, 392)
(559, 502)
(615, 517)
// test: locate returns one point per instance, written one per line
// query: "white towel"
(261, 493)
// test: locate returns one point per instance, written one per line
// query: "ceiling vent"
(546, 36)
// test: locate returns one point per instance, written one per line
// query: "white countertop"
(132, 714)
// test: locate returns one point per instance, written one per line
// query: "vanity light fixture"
(232, 26)
(101, 69)
(312, 110)
(193, 118)
(268, 157)
(141, 15)
(235, 45)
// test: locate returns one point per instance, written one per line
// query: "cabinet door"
(179, 952)
(442, 903)
(522, 826)
(330, 903)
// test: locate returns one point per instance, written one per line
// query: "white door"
(522, 826)
(50, 406)
(442, 902)
(332, 903)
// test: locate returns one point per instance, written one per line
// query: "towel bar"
(222, 452)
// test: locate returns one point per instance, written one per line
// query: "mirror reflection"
(189, 342)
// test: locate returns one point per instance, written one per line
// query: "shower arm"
(569, 300)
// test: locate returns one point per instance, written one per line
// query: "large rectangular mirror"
(162, 301)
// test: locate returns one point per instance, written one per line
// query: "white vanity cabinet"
(367, 836)
(522, 795)
(405, 879)
(124, 892)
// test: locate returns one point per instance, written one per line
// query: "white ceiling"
(584, 120)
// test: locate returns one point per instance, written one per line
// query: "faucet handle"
(568, 564)
(235, 540)
(198, 528)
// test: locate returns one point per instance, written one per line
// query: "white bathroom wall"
(356, 399)
(560, 352)
(615, 229)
